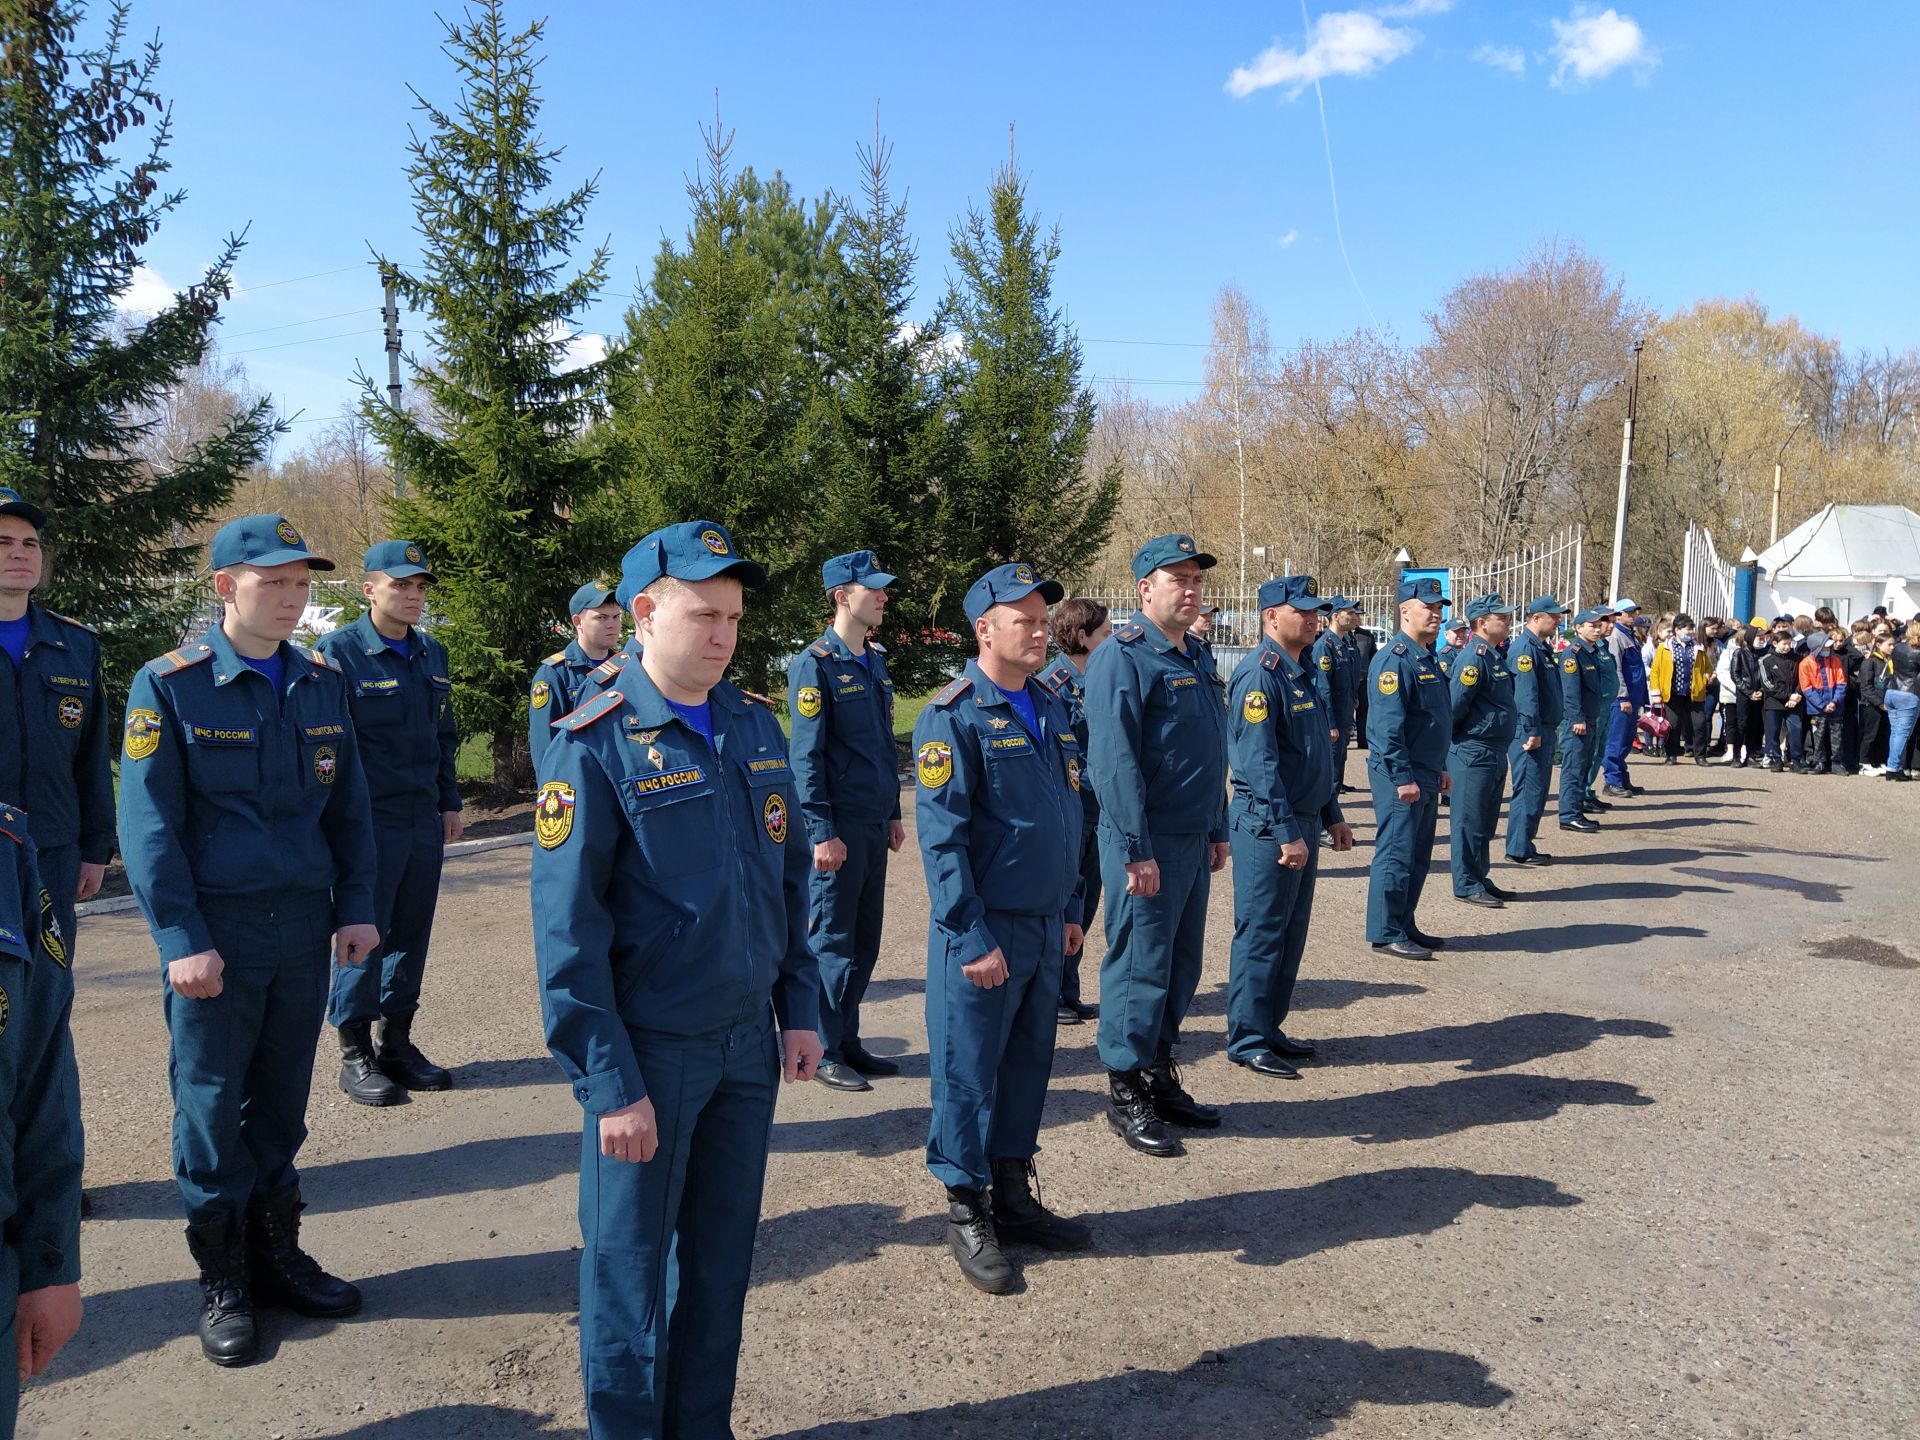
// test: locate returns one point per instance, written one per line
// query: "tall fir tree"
(891, 435)
(723, 414)
(80, 385)
(1020, 488)
(498, 470)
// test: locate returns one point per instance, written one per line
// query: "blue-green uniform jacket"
(1584, 684)
(1536, 688)
(56, 757)
(604, 674)
(1157, 725)
(845, 764)
(1480, 689)
(1335, 673)
(1282, 756)
(669, 896)
(1065, 681)
(1409, 717)
(558, 686)
(997, 809)
(402, 717)
(40, 1145)
(227, 793)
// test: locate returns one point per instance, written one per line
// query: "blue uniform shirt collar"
(574, 655)
(1157, 638)
(1418, 648)
(43, 629)
(373, 642)
(989, 693)
(652, 712)
(227, 662)
(1289, 666)
(839, 647)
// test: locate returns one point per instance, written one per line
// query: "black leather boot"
(1172, 1103)
(1021, 1218)
(400, 1059)
(227, 1333)
(360, 1077)
(1130, 1115)
(283, 1273)
(975, 1245)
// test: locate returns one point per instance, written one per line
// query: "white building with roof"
(1850, 558)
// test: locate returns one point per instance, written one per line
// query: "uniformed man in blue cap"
(1334, 664)
(998, 816)
(1156, 721)
(1611, 699)
(402, 703)
(1457, 632)
(56, 758)
(246, 834)
(1409, 730)
(40, 1145)
(1583, 705)
(561, 681)
(1080, 626)
(1480, 688)
(670, 914)
(1281, 748)
(1536, 699)
(846, 772)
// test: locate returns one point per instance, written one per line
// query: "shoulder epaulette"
(175, 661)
(1269, 659)
(1128, 633)
(876, 646)
(761, 699)
(13, 824)
(1055, 680)
(605, 703)
(557, 658)
(953, 691)
(324, 661)
(69, 620)
(607, 669)
(821, 648)
(1399, 647)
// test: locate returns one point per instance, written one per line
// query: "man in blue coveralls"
(1281, 747)
(1409, 728)
(669, 923)
(247, 840)
(1156, 721)
(40, 1145)
(402, 703)
(1584, 701)
(998, 816)
(1536, 698)
(1480, 689)
(847, 774)
(561, 680)
(56, 756)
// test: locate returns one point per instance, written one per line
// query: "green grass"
(906, 710)
(473, 761)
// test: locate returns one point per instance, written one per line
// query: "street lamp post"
(1626, 466)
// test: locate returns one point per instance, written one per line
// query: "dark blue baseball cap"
(1482, 606)
(859, 568)
(591, 596)
(401, 559)
(1007, 584)
(1340, 602)
(11, 503)
(1544, 605)
(260, 540)
(1425, 590)
(691, 550)
(1299, 591)
(1169, 550)
(1592, 613)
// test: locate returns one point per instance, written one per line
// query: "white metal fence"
(1706, 581)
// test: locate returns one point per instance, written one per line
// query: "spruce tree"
(80, 384)
(497, 471)
(1019, 488)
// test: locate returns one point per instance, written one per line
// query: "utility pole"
(1240, 461)
(390, 315)
(1626, 466)
(1773, 525)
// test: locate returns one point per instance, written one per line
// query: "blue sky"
(1698, 149)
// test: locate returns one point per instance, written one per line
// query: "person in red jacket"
(1823, 686)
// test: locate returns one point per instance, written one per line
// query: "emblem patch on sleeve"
(773, 815)
(1073, 772)
(1469, 674)
(542, 692)
(50, 937)
(72, 711)
(553, 814)
(1523, 664)
(1253, 709)
(143, 733)
(807, 702)
(1326, 662)
(1389, 681)
(934, 764)
(325, 763)
(1569, 665)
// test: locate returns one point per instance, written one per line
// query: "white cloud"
(1342, 42)
(1591, 46)
(1407, 9)
(583, 350)
(1285, 242)
(147, 295)
(1502, 57)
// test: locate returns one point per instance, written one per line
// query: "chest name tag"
(1180, 682)
(322, 732)
(1001, 744)
(1299, 706)
(765, 767)
(224, 735)
(379, 687)
(671, 780)
(854, 689)
(76, 681)
(1426, 675)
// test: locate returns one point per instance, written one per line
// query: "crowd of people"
(708, 890)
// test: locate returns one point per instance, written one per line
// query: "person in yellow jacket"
(1683, 654)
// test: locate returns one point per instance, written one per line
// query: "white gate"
(1706, 581)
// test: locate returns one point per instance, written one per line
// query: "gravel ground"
(1636, 1156)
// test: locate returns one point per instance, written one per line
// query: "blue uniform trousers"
(1402, 849)
(669, 1243)
(1090, 902)
(1272, 906)
(60, 874)
(845, 908)
(242, 1062)
(1340, 749)
(991, 1051)
(405, 892)
(1152, 965)
(1532, 771)
(1576, 755)
(1477, 773)
(1620, 731)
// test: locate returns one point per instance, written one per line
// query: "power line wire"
(314, 320)
(310, 340)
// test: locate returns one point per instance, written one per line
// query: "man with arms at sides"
(1409, 727)
(561, 681)
(1536, 694)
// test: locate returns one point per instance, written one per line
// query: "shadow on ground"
(1488, 1044)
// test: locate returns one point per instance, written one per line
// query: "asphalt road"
(1637, 1155)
